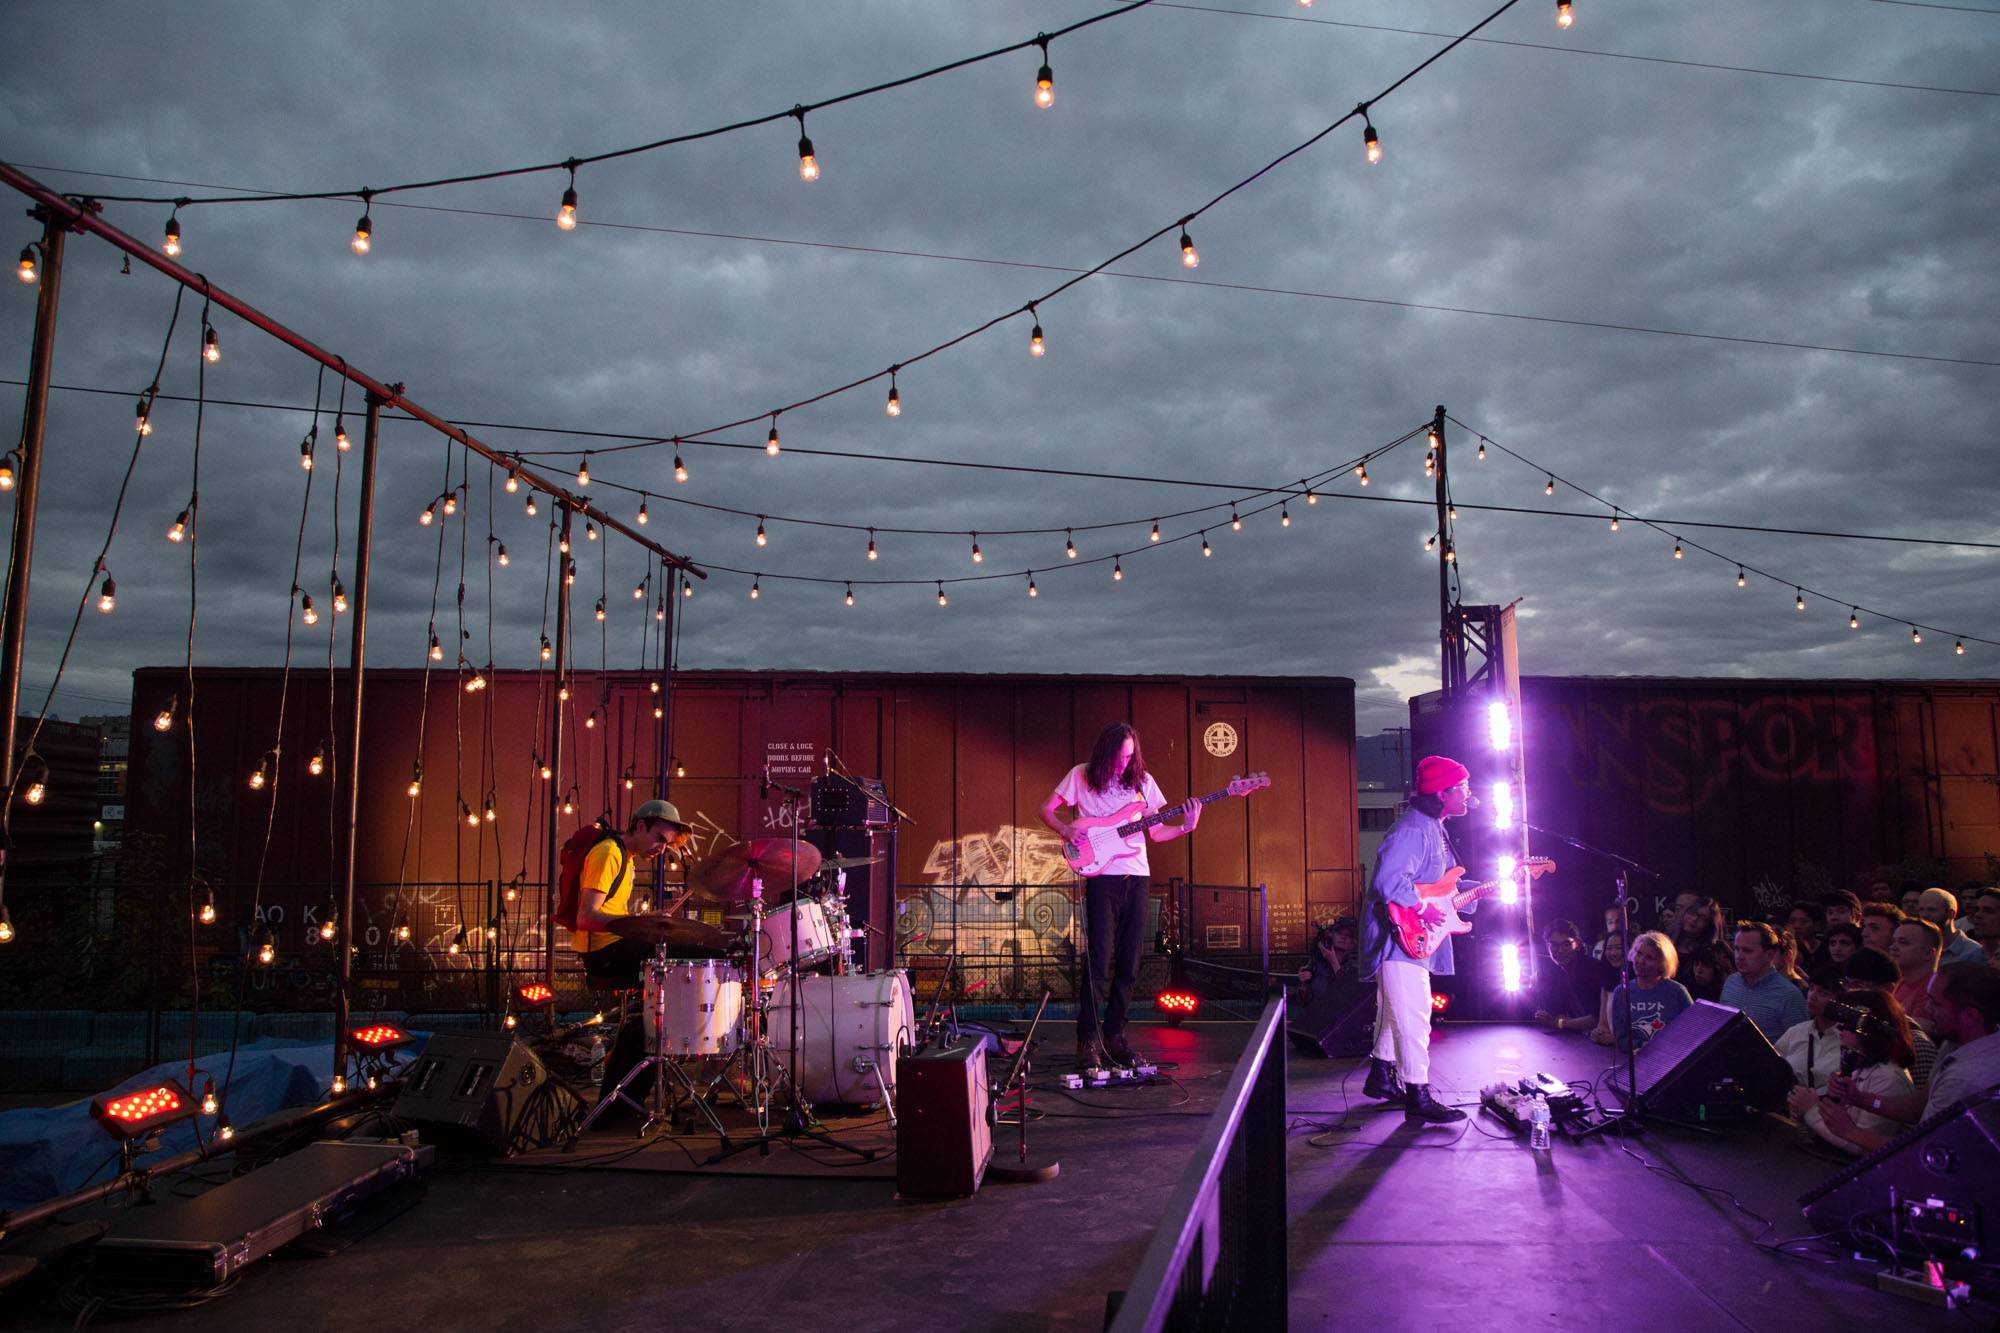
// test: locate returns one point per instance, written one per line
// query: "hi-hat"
(768, 859)
(847, 862)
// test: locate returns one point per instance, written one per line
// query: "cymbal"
(844, 862)
(769, 859)
(653, 928)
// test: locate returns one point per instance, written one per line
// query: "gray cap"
(660, 810)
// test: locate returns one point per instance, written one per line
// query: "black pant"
(619, 964)
(1115, 922)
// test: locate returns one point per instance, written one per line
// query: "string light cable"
(1673, 531)
(567, 212)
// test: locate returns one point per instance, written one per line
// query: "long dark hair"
(1104, 759)
(1886, 1040)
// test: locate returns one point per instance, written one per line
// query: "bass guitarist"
(1414, 852)
(1114, 897)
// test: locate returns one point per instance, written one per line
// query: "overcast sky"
(1537, 176)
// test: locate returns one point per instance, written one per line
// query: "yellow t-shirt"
(607, 869)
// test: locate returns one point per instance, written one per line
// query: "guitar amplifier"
(839, 802)
(944, 1138)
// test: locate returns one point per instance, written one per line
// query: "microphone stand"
(1632, 1118)
(1023, 1170)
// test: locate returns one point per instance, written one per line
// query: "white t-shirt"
(1074, 790)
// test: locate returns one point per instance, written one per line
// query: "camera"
(1862, 1022)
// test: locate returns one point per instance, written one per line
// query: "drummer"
(604, 895)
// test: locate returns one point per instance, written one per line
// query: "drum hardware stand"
(655, 1108)
(799, 1119)
(1023, 1170)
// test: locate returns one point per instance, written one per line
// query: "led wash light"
(1503, 805)
(1510, 967)
(135, 1115)
(1499, 725)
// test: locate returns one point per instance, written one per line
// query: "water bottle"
(1538, 1124)
(597, 1054)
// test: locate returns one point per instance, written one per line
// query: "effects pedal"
(1072, 1081)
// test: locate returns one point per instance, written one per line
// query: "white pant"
(1403, 1019)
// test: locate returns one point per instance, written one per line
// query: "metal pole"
(1451, 666)
(552, 867)
(82, 218)
(667, 597)
(357, 656)
(27, 489)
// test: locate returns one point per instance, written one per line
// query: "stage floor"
(1390, 1228)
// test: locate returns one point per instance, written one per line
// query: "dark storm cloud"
(1517, 180)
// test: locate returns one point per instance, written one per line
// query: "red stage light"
(1440, 1003)
(1177, 1005)
(533, 995)
(134, 1115)
(381, 1037)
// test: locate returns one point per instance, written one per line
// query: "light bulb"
(589, 531)
(528, 505)
(1549, 487)
(566, 215)
(1614, 520)
(1361, 473)
(1207, 551)
(510, 1022)
(7, 471)
(1117, 571)
(1854, 618)
(1069, 545)
(209, 1104)
(1563, 15)
(206, 914)
(894, 406)
(1741, 580)
(1677, 552)
(164, 719)
(402, 928)
(548, 651)
(450, 504)
(600, 608)
(339, 598)
(687, 588)
(307, 611)
(1312, 496)
(583, 472)
(363, 232)
(568, 806)
(1916, 636)
(145, 420)
(429, 516)
(871, 544)
(1370, 144)
(211, 348)
(26, 272)
(977, 558)
(513, 481)
(1189, 256)
(170, 241)
(338, 1086)
(808, 164)
(762, 540)
(1480, 454)
(942, 599)
(259, 778)
(771, 440)
(850, 594)
(437, 649)
(500, 555)
(680, 769)
(340, 440)
(1959, 647)
(1035, 344)
(1235, 521)
(1033, 591)
(639, 593)
(1155, 535)
(756, 589)
(306, 453)
(562, 543)
(680, 468)
(545, 771)
(1798, 600)
(643, 517)
(107, 595)
(328, 929)
(1285, 516)
(38, 791)
(1045, 85)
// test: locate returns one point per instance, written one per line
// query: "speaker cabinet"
(1683, 1070)
(944, 1137)
(1338, 1023)
(1946, 1177)
(487, 1088)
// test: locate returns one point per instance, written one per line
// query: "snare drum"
(693, 1006)
(818, 940)
(849, 1027)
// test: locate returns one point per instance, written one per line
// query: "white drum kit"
(723, 1027)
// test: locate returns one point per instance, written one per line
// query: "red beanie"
(1436, 773)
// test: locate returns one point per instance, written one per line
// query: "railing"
(1218, 1260)
(1246, 967)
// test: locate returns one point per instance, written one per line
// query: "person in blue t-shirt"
(1656, 998)
(1757, 987)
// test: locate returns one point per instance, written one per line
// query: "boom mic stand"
(799, 1120)
(1632, 1117)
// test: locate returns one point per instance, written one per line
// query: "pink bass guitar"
(1096, 841)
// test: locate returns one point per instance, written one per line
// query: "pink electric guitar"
(1097, 840)
(1441, 901)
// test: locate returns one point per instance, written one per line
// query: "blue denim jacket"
(1413, 852)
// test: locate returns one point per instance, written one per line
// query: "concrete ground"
(1390, 1228)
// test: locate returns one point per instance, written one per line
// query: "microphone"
(764, 787)
(1471, 801)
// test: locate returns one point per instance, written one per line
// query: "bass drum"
(849, 1026)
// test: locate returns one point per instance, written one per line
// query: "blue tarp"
(49, 1151)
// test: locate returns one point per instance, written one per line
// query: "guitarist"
(1115, 897)
(1414, 852)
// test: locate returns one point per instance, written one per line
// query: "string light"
(1190, 257)
(513, 485)
(680, 468)
(164, 719)
(500, 554)
(1312, 496)
(762, 540)
(1430, 542)
(1155, 535)
(6, 926)
(589, 530)
(144, 424)
(1045, 79)
(364, 230)
(262, 777)
(643, 518)
(1854, 617)
(808, 163)
(471, 816)
(1284, 516)
(660, 608)
(756, 587)
(429, 516)
(687, 588)
(894, 407)
(170, 240)
(206, 913)
(7, 470)
(107, 595)
(977, 558)
(542, 767)
(569, 802)
(680, 769)
(566, 215)
(1033, 591)
(1563, 15)
(1371, 144)
(600, 608)
(871, 543)
(583, 473)
(329, 928)
(548, 650)
(1959, 647)
(1916, 636)
(1036, 344)
(1207, 551)
(1549, 487)
(528, 505)
(1614, 520)
(437, 649)
(1117, 570)
(1741, 581)
(209, 1104)
(1069, 544)
(306, 453)
(1798, 599)
(1235, 520)
(211, 347)
(942, 599)
(307, 611)
(850, 594)
(26, 272)
(771, 440)
(639, 593)
(450, 503)
(403, 926)
(340, 440)
(317, 764)
(1480, 453)
(1678, 554)
(1361, 473)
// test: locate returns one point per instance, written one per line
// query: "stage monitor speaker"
(944, 1137)
(1710, 1058)
(488, 1088)
(1946, 1178)
(871, 900)
(1338, 1023)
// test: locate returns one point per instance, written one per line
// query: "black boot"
(1383, 1085)
(1419, 1109)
